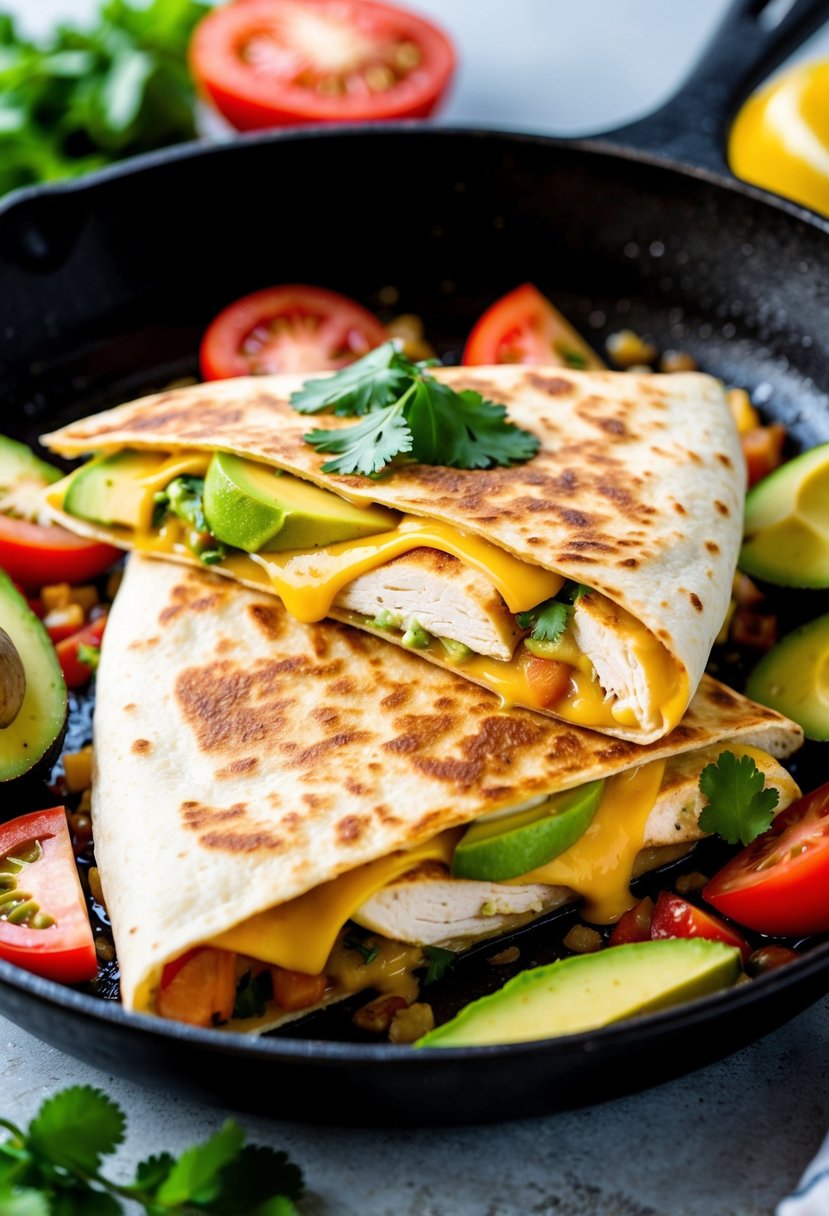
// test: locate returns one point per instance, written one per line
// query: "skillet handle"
(746, 47)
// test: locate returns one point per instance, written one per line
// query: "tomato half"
(44, 886)
(780, 883)
(524, 327)
(34, 554)
(287, 329)
(274, 63)
(675, 917)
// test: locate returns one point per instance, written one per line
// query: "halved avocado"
(591, 990)
(510, 845)
(109, 490)
(257, 508)
(787, 523)
(33, 736)
(793, 678)
(23, 478)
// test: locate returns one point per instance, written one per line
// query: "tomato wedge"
(44, 926)
(34, 554)
(675, 917)
(293, 328)
(524, 327)
(780, 883)
(274, 63)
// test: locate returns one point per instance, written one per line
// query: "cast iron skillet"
(108, 283)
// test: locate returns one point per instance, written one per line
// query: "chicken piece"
(617, 646)
(445, 597)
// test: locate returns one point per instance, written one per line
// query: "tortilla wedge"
(636, 494)
(258, 782)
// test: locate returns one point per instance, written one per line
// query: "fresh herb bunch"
(408, 413)
(740, 808)
(86, 96)
(53, 1168)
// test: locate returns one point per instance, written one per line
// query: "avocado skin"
(45, 731)
(588, 991)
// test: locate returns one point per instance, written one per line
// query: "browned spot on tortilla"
(695, 600)
(269, 620)
(169, 613)
(204, 603)
(351, 828)
(396, 698)
(310, 755)
(141, 747)
(418, 731)
(680, 510)
(143, 643)
(354, 787)
(326, 714)
(534, 540)
(129, 707)
(242, 842)
(725, 460)
(723, 697)
(492, 750)
(343, 687)
(629, 561)
(612, 426)
(721, 507)
(233, 710)
(712, 546)
(224, 646)
(245, 764)
(553, 385)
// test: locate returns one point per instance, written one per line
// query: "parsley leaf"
(739, 808)
(440, 961)
(76, 1128)
(418, 416)
(547, 621)
(367, 447)
(151, 1172)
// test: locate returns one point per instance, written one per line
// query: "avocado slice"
(23, 478)
(253, 507)
(109, 490)
(793, 678)
(591, 990)
(34, 733)
(787, 523)
(509, 845)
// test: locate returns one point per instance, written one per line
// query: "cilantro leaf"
(462, 429)
(373, 382)
(76, 1128)
(440, 961)
(195, 1176)
(90, 656)
(151, 1172)
(739, 808)
(257, 1175)
(81, 1200)
(547, 621)
(367, 447)
(24, 1202)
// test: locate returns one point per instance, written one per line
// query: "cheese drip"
(600, 864)
(300, 934)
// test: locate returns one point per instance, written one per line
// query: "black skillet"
(106, 285)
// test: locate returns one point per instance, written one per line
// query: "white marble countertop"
(731, 1139)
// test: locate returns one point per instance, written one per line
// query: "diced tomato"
(548, 680)
(294, 328)
(34, 554)
(75, 672)
(675, 917)
(635, 925)
(294, 990)
(779, 884)
(63, 622)
(756, 629)
(763, 450)
(524, 327)
(199, 987)
(50, 890)
(273, 63)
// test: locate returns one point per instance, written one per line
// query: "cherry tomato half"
(524, 327)
(274, 63)
(34, 554)
(675, 917)
(37, 858)
(780, 883)
(287, 329)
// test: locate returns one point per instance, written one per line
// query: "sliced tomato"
(199, 987)
(39, 886)
(675, 917)
(634, 926)
(524, 327)
(294, 328)
(275, 63)
(548, 680)
(76, 672)
(780, 883)
(34, 554)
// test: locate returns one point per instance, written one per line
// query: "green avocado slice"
(32, 738)
(787, 523)
(23, 478)
(591, 990)
(254, 507)
(793, 678)
(511, 845)
(109, 490)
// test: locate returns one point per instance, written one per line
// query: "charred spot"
(721, 507)
(354, 787)
(170, 613)
(268, 619)
(396, 698)
(695, 600)
(255, 841)
(576, 557)
(141, 747)
(680, 510)
(236, 768)
(533, 540)
(418, 731)
(130, 707)
(326, 715)
(552, 385)
(224, 646)
(722, 697)
(611, 426)
(234, 710)
(343, 687)
(143, 643)
(310, 755)
(577, 519)
(712, 546)
(205, 602)
(491, 750)
(725, 460)
(629, 561)
(351, 828)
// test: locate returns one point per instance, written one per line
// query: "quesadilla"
(263, 790)
(588, 583)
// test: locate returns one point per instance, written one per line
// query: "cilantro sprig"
(54, 1166)
(547, 621)
(740, 808)
(409, 414)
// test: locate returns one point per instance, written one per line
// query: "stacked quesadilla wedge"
(263, 786)
(588, 583)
